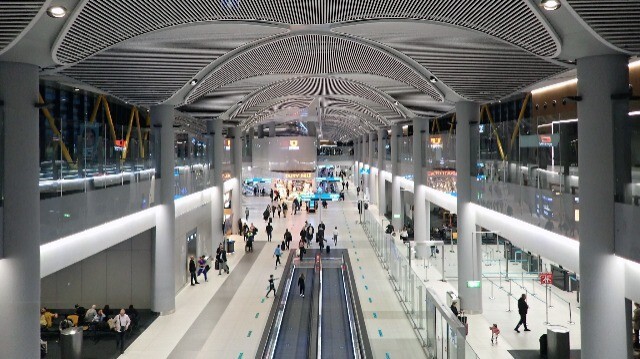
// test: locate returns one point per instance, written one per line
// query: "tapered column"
(217, 204)
(396, 205)
(382, 200)
(363, 160)
(236, 196)
(601, 288)
(164, 290)
(371, 178)
(20, 262)
(469, 254)
(356, 166)
(421, 219)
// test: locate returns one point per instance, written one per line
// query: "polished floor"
(225, 317)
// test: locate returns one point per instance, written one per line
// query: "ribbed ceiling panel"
(320, 86)
(476, 68)
(312, 54)
(151, 71)
(617, 21)
(103, 23)
(14, 18)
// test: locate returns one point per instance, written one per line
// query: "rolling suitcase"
(217, 265)
(328, 249)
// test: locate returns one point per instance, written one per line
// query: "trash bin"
(230, 245)
(71, 343)
(558, 342)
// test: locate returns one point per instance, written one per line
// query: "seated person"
(133, 314)
(91, 313)
(80, 311)
(107, 311)
(46, 318)
(65, 324)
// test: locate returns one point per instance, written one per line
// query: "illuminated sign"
(293, 145)
(435, 141)
(226, 175)
(474, 284)
(299, 175)
(441, 173)
(227, 144)
(120, 145)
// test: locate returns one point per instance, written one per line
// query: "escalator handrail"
(319, 356)
(354, 324)
(274, 331)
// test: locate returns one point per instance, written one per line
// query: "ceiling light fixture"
(396, 103)
(550, 5)
(57, 12)
(193, 82)
(433, 79)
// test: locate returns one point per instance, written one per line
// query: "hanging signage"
(546, 278)
(435, 141)
(533, 141)
(293, 145)
(474, 284)
(299, 175)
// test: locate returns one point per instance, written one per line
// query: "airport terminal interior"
(385, 179)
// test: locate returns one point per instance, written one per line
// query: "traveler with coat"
(202, 267)
(222, 261)
(277, 253)
(301, 284)
(287, 238)
(523, 308)
(335, 236)
(272, 286)
(192, 271)
(246, 213)
(122, 325)
(269, 230)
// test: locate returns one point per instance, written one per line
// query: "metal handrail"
(354, 324)
(274, 331)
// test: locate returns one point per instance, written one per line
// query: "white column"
(396, 204)
(236, 199)
(217, 205)
(20, 262)
(371, 178)
(421, 217)
(363, 160)
(602, 290)
(469, 260)
(382, 200)
(163, 285)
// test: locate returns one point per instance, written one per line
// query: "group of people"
(94, 318)
(307, 236)
(202, 266)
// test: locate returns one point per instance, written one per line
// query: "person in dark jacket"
(523, 308)
(192, 271)
(287, 238)
(269, 231)
(301, 284)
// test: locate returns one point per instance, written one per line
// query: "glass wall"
(88, 143)
(439, 331)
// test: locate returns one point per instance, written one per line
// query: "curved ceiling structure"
(514, 21)
(311, 54)
(320, 87)
(15, 16)
(354, 62)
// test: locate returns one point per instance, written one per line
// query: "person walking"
(272, 286)
(246, 213)
(287, 238)
(335, 236)
(301, 248)
(202, 267)
(277, 253)
(285, 208)
(301, 284)
(279, 210)
(523, 308)
(221, 257)
(192, 271)
(122, 325)
(269, 230)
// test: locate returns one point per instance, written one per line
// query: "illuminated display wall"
(285, 154)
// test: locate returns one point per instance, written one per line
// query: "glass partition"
(441, 334)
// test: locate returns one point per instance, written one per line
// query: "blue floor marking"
(366, 287)
(375, 315)
(370, 300)
(387, 356)
(240, 356)
(380, 332)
